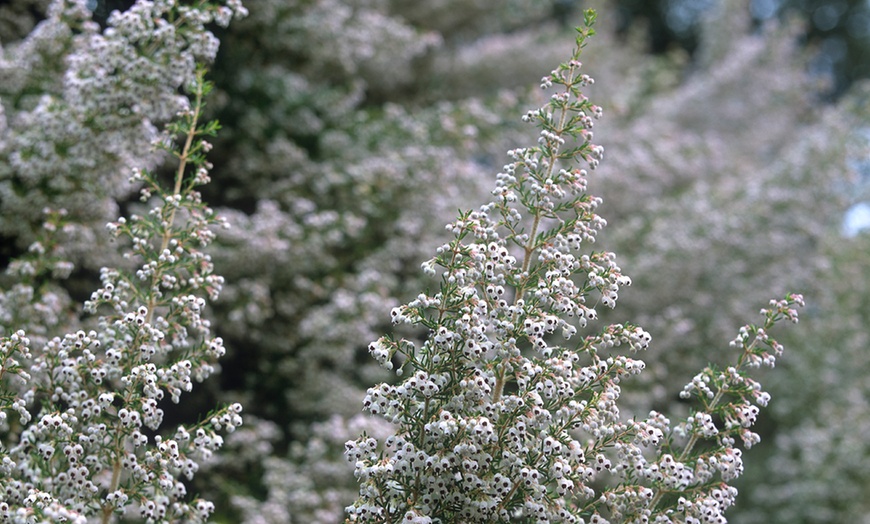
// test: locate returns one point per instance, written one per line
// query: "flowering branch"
(497, 420)
(87, 442)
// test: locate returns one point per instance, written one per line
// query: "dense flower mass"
(88, 403)
(82, 413)
(500, 417)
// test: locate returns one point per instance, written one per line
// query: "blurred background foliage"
(736, 139)
(839, 30)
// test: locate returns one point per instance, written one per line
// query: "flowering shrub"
(81, 414)
(349, 128)
(87, 402)
(496, 420)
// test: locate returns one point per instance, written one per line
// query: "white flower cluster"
(499, 421)
(86, 443)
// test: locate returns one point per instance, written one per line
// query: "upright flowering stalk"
(82, 416)
(507, 413)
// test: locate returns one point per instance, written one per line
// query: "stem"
(506, 498)
(499, 384)
(116, 480)
(179, 178)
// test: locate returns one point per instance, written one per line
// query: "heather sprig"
(507, 412)
(728, 401)
(87, 442)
